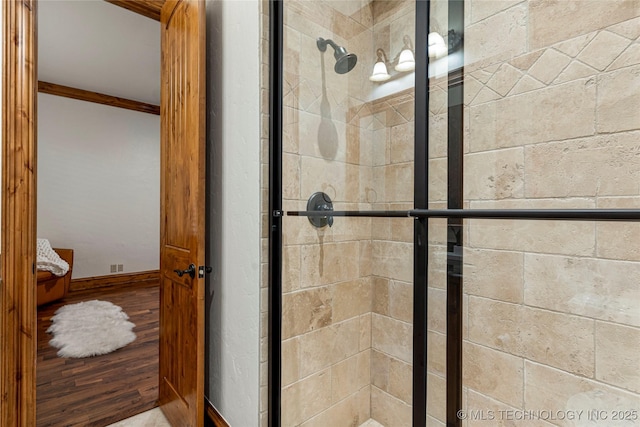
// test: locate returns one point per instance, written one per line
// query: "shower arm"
(322, 44)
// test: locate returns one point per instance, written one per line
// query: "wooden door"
(182, 229)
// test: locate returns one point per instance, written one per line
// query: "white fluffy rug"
(90, 328)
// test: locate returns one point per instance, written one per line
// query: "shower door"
(347, 296)
(534, 133)
(471, 253)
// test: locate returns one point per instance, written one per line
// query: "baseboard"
(213, 418)
(112, 280)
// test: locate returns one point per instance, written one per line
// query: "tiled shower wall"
(552, 120)
(336, 321)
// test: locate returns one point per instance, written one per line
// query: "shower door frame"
(454, 213)
(421, 199)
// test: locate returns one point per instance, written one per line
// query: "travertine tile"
(365, 331)
(392, 337)
(401, 229)
(498, 37)
(619, 101)
(398, 182)
(388, 410)
(351, 411)
(481, 9)
(402, 137)
(291, 176)
(306, 398)
(401, 380)
(555, 390)
(438, 180)
(366, 255)
(526, 84)
(494, 274)
(380, 302)
(493, 373)
(344, 229)
(290, 351)
(504, 79)
(437, 310)
(573, 46)
(437, 135)
(320, 175)
(575, 70)
(629, 29)
(483, 411)
(380, 370)
(436, 397)
(551, 22)
(350, 375)
(393, 260)
(401, 301)
(437, 354)
(617, 355)
(494, 175)
(381, 147)
(601, 289)
(604, 48)
(351, 299)
(437, 268)
(549, 114)
(617, 240)
(631, 56)
(305, 311)
(327, 346)
(329, 263)
(534, 236)
(549, 65)
(602, 165)
(556, 339)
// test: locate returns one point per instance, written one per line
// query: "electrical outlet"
(114, 268)
(120, 267)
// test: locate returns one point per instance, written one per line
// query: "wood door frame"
(18, 322)
(17, 301)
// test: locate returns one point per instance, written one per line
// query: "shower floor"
(371, 423)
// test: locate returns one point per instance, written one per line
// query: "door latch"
(204, 269)
(191, 271)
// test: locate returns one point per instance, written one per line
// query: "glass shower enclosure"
(454, 198)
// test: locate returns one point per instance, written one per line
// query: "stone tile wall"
(552, 120)
(347, 293)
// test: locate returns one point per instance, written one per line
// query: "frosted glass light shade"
(406, 62)
(380, 73)
(437, 46)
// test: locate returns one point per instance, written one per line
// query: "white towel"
(49, 260)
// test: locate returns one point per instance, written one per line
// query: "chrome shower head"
(344, 61)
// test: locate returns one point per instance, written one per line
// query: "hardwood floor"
(101, 390)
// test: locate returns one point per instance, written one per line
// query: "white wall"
(99, 184)
(233, 36)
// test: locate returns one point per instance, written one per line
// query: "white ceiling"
(97, 46)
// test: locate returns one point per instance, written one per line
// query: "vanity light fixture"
(437, 46)
(380, 73)
(405, 61)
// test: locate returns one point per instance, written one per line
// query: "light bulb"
(380, 73)
(406, 62)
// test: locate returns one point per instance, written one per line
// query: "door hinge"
(204, 269)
